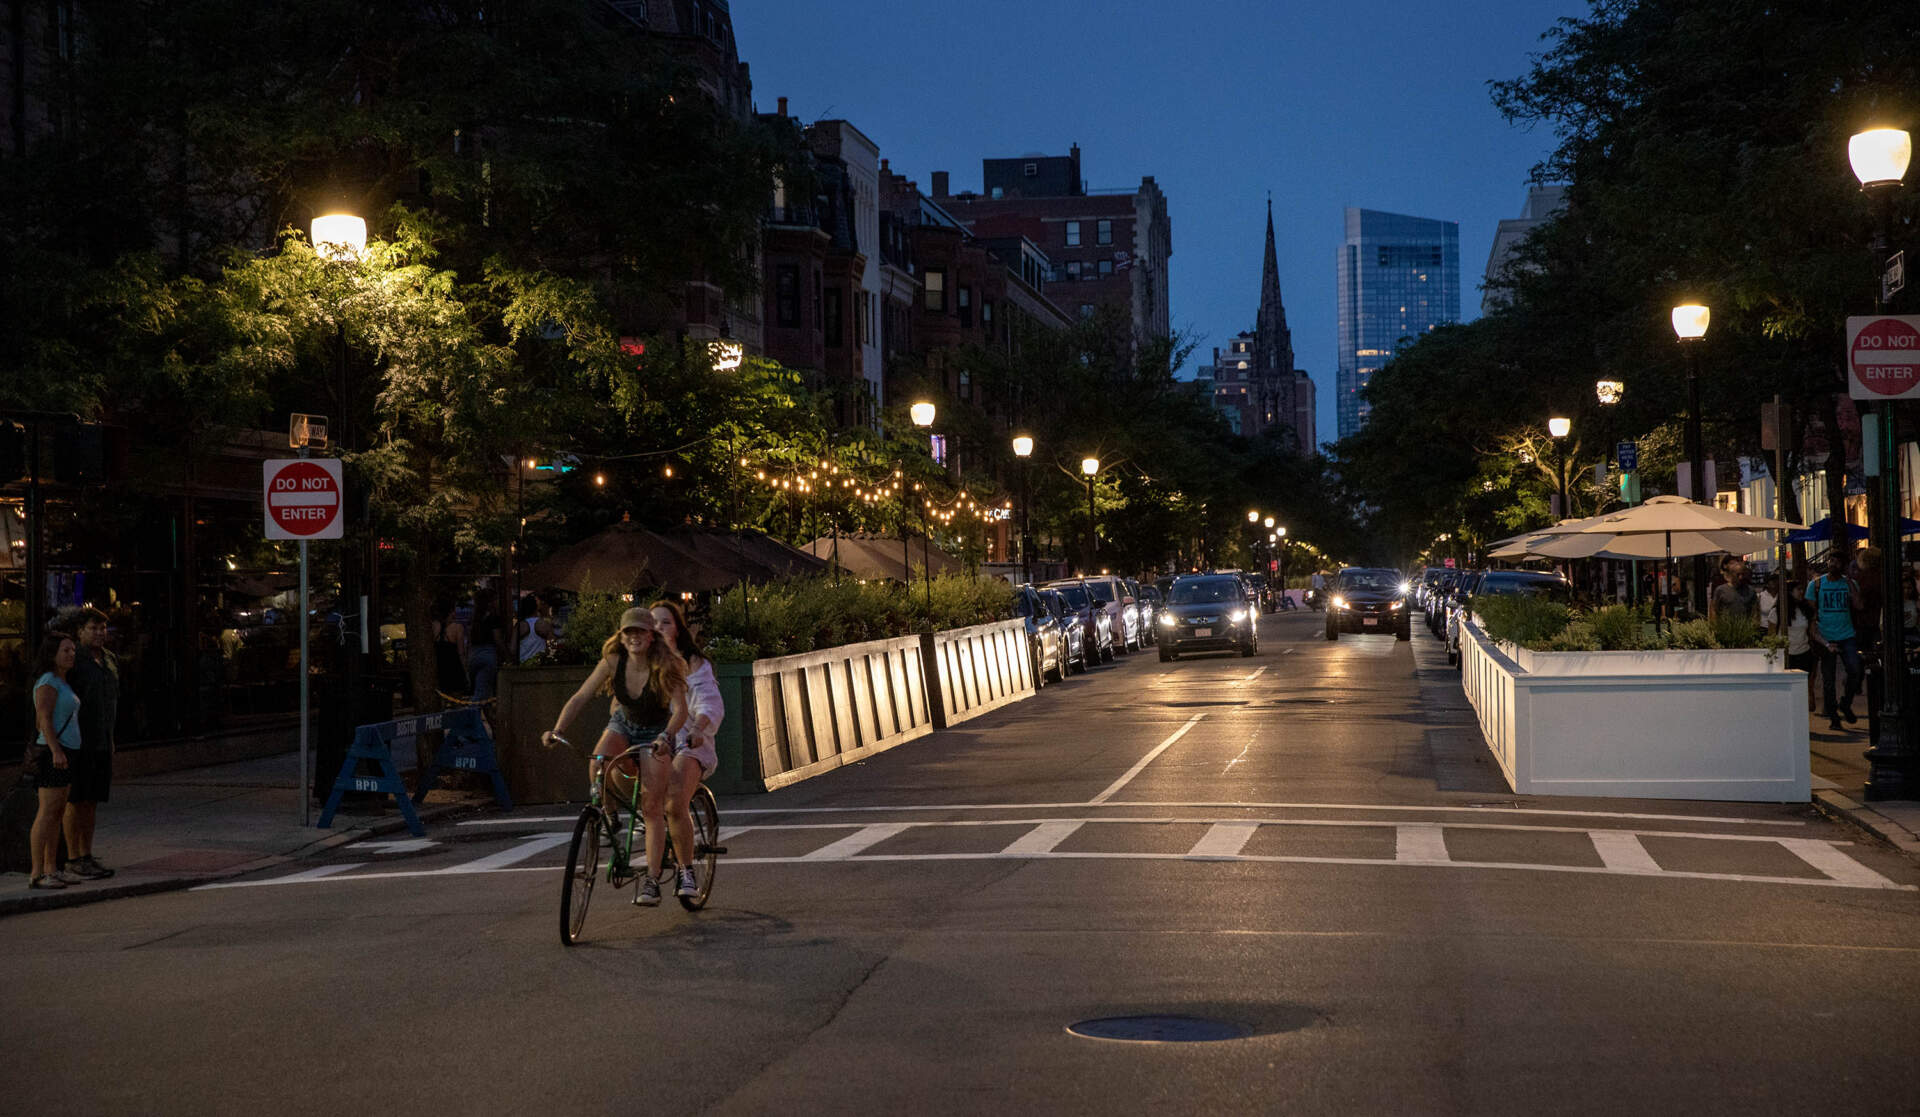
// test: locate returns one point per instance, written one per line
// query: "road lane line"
(1235, 805)
(531, 845)
(1622, 852)
(1244, 679)
(1420, 843)
(1115, 786)
(1824, 857)
(320, 873)
(855, 842)
(1042, 838)
(1223, 840)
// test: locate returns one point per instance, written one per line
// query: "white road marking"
(1420, 843)
(1257, 672)
(1042, 838)
(1223, 840)
(853, 843)
(529, 846)
(405, 845)
(1114, 787)
(310, 875)
(1238, 759)
(1824, 857)
(1622, 852)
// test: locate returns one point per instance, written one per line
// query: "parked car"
(1044, 640)
(1073, 635)
(1095, 621)
(1112, 594)
(1495, 583)
(1436, 603)
(1370, 600)
(1423, 586)
(1150, 599)
(1208, 613)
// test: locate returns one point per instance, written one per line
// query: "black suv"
(1366, 599)
(1208, 613)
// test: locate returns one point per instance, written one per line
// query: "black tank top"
(645, 708)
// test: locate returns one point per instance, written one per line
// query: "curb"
(69, 898)
(1862, 817)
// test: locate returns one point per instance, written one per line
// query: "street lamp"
(1253, 517)
(1559, 428)
(922, 413)
(1089, 467)
(1609, 391)
(1690, 326)
(1023, 449)
(339, 236)
(1879, 157)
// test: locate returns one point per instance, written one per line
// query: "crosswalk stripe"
(855, 842)
(1622, 852)
(1042, 838)
(1223, 839)
(320, 873)
(528, 847)
(1419, 842)
(1824, 857)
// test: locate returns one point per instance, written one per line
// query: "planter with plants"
(1606, 703)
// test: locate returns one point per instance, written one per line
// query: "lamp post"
(1609, 391)
(1280, 537)
(1023, 449)
(922, 414)
(1089, 467)
(1559, 429)
(1690, 326)
(1879, 157)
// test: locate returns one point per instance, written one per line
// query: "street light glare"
(1880, 156)
(1609, 391)
(1559, 428)
(339, 236)
(1089, 466)
(1690, 321)
(922, 413)
(1268, 521)
(1022, 446)
(1253, 517)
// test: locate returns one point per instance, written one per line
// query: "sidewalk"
(177, 829)
(1839, 774)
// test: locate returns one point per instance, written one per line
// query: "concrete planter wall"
(1722, 725)
(530, 700)
(978, 669)
(816, 711)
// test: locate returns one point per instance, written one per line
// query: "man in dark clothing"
(95, 679)
(1735, 595)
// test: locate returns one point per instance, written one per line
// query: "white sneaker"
(688, 886)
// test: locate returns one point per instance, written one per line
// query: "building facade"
(1542, 203)
(1107, 248)
(1399, 277)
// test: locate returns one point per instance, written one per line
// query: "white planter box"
(1659, 725)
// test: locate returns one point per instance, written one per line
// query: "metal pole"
(36, 611)
(1888, 759)
(306, 791)
(1093, 536)
(1697, 468)
(1780, 509)
(1026, 536)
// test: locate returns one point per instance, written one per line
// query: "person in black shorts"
(95, 678)
(51, 758)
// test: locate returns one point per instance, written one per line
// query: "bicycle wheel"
(706, 836)
(583, 868)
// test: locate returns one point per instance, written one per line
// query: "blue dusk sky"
(1382, 105)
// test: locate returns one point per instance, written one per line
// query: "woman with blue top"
(1838, 600)
(56, 709)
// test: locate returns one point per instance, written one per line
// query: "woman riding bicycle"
(648, 684)
(705, 709)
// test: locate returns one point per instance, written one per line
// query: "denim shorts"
(635, 734)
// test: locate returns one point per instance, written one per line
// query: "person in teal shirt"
(1837, 597)
(56, 710)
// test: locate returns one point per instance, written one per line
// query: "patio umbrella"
(1821, 531)
(1635, 547)
(868, 556)
(1665, 517)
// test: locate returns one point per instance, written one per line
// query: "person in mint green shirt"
(55, 708)
(1837, 598)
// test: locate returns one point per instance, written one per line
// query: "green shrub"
(727, 649)
(1618, 628)
(595, 616)
(805, 614)
(1694, 635)
(1578, 636)
(1521, 619)
(1736, 630)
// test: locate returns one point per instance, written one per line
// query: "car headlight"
(1339, 602)
(1398, 605)
(1406, 587)
(1166, 619)
(1237, 616)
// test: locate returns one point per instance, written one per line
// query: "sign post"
(303, 497)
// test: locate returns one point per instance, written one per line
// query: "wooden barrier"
(816, 711)
(978, 669)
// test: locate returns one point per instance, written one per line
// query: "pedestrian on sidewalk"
(96, 680)
(487, 645)
(52, 757)
(1802, 633)
(1837, 599)
(1735, 595)
(449, 652)
(529, 638)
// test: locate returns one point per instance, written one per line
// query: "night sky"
(1378, 105)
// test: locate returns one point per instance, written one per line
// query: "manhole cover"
(1159, 1029)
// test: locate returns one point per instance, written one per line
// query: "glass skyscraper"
(1399, 278)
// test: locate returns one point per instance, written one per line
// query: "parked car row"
(1445, 594)
(1075, 622)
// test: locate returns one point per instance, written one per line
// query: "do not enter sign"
(303, 497)
(1883, 356)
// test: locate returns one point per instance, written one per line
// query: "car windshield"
(1383, 581)
(1076, 596)
(1022, 605)
(1102, 591)
(1204, 592)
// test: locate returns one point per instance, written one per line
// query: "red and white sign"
(303, 498)
(1883, 356)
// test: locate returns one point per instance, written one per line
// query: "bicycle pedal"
(702, 851)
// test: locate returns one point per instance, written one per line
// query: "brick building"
(1107, 248)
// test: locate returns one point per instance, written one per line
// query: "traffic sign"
(303, 498)
(1628, 454)
(1883, 356)
(1895, 277)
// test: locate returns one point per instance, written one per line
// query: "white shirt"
(703, 697)
(1767, 604)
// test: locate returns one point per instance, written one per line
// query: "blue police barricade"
(375, 743)
(465, 746)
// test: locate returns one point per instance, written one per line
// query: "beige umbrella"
(1662, 515)
(1685, 544)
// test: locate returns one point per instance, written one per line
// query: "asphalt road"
(1310, 846)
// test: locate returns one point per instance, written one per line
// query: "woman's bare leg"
(686, 780)
(656, 774)
(43, 841)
